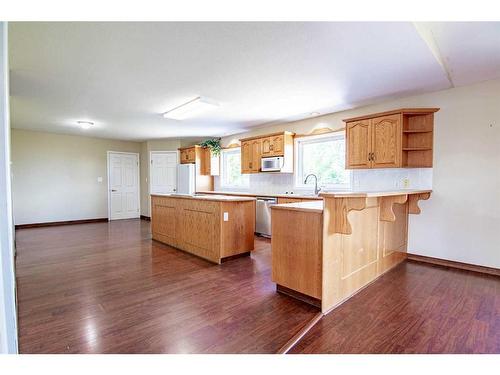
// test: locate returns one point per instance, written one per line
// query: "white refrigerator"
(186, 179)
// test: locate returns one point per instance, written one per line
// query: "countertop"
(248, 194)
(312, 206)
(369, 194)
(211, 197)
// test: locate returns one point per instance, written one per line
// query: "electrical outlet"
(406, 183)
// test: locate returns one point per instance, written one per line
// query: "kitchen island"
(324, 252)
(215, 227)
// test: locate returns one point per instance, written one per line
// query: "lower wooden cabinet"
(199, 226)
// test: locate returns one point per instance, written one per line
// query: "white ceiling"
(123, 76)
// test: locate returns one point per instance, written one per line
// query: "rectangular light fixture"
(190, 109)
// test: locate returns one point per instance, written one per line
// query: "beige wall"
(55, 176)
(461, 220)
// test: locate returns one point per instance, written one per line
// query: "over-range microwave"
(272, 164)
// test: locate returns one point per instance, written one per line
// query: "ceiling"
(123, 76)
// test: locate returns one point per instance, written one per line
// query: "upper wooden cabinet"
(394, 139)
(251, 152)
(273, 145)
(209, 163)
(255, 148)
(188, 154)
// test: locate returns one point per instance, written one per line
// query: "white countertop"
(249, 194)
(369, 194)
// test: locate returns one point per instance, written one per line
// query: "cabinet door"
(256, 155)
(205, 162)
(246, 157)
(277, 145)
(358, 142)
(192, 155)
(266, 147)
(184, 156)
(386, 141)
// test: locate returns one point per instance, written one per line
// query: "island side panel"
(199, 230)
(237, 233)
(296, 244)
(352, 261)
(163, 220)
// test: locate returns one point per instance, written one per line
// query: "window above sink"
(324, 156)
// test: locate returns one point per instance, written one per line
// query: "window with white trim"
(324, 156)
(231, 169)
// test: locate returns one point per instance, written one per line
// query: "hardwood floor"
(415, 308)
(107, 288)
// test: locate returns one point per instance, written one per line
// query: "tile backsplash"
(362, 180)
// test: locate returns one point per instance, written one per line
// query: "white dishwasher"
(263, 215)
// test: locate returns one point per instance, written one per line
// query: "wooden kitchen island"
(216, 228)
(324, 252)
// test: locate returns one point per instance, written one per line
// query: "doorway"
(123, 185)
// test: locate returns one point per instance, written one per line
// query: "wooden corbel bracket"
(339, 209)
(386, 206)
(413, 202)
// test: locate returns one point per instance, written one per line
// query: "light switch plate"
(226, 216)
(99, 179)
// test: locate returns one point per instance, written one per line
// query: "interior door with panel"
(358, 150)
(386, 141)
(123, 177)
(163, 172)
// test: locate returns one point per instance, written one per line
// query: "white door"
(163, 172)
(123, 184)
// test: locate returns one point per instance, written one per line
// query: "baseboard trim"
(57, 223)
(144, 217)
(297, 295)
(453, 264)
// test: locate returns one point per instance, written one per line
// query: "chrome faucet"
(316, 188)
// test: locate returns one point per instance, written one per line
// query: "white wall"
(55, 176)
(462, 219)
(8, 316)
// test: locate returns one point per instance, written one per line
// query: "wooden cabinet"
(251, 152)
(358, 144)
(273, 145)
(394, 139)
(209, 163)
(188, 155)
(386, 141)
(255, 148)
(203, 165)
(198, 226)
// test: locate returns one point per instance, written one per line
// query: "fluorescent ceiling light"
(85, 124)
(190, 109)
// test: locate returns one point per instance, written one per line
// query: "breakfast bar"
(214, 227)
(323, 252)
